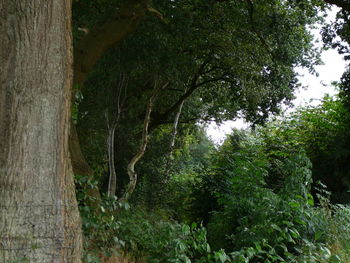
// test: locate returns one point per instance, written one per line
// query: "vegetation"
(151, 186)
(253, 199)
(274, 193)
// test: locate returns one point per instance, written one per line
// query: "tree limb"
(91, 47)
(190, 90)
(342, 4)
(144, 141)
(251, 17)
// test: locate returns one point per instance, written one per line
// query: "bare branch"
(156, 13)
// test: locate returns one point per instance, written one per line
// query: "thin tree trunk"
(39, 218)
(172, 143)
(176, 123)
(121, 98)
(112, 182)
(144, 141)
(87, 53)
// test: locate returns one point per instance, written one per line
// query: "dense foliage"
(271, 194)
(253, 195)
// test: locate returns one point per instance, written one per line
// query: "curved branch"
(144, 141)
(91, 47)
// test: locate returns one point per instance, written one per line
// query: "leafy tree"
(238, 61)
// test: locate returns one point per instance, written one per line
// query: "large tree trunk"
(39, 218)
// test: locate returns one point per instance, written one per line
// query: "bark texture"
(39, 218)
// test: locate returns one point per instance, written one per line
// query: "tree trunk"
(88, 52)
(39, 218)
(112, 182)
(144, 141)
(168, 157)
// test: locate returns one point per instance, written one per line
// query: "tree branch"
(251, 17)
(91, 47)
(144, 141)
(342, 4)
(190, 90)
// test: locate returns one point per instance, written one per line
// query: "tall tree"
(39, 218)
(221, 59)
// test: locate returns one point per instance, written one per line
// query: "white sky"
(317, 87)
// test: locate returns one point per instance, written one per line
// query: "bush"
(156, 240)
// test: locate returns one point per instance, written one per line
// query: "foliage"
(100, 228)
(225, 59)
(167, 183)
(323, 132)
(156, 240)
(256, 222)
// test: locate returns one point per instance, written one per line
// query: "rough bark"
(39, 218)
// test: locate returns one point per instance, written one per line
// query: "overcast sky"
(317, 87)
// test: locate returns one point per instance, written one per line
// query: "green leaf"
(294, 204)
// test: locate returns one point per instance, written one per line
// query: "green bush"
(156, 240)
(259, 222)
